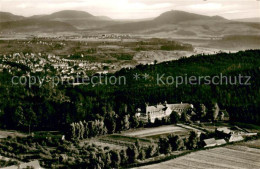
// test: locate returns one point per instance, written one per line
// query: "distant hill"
(171, 17)
(257, 20)
(6, 16)
(35, 25)
(104, 18)
(68, 14)
(67, 20)
(79, 19)
(175, 24)
(36, 16)
(134, 20)
(178, 24)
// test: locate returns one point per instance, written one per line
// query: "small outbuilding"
(235, 138)
(210, 142)
(213, 142)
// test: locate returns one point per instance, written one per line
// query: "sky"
(135, 9)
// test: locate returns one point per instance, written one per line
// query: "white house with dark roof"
(160, 111)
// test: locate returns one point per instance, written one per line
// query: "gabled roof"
(213, 142)
(210, 141)
(224, 130)
(154, 108)
(221, 141)
(164, 107)
(180, 106)
(234, 138)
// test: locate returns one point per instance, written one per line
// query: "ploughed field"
(229, 157)
(156, 131)
(146, 136)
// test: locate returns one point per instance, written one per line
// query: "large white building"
(160, 111)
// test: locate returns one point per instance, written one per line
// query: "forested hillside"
(241, 101)
(52, 108)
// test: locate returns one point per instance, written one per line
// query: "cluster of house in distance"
(44, 63)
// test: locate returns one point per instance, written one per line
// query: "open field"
(122, 140)
(145, 136)
(182, 134)
(188, 127)
(229, 157)
(156, 131)
(144, 57)
(252, 144)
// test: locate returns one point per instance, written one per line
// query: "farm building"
(235, 137)
(210, 142)
(224, 132)
(213, 142)
(160, 111)
(229, 135)
(221, 142)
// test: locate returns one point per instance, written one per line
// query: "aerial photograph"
(130, 84)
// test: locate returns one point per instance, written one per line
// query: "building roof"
(235, 137)
(156, 108)
(213, 142)
(160, 107)
(221, 141)
(180, 106)
(224, 130)
(210, 141)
